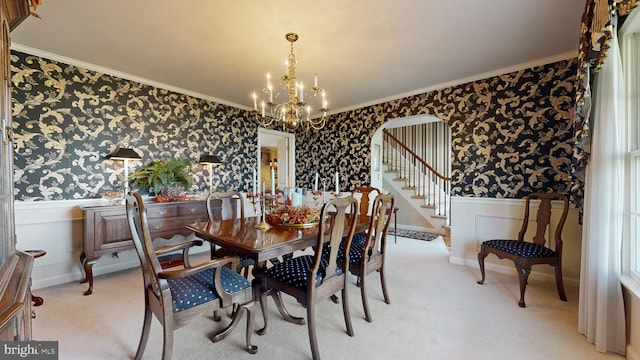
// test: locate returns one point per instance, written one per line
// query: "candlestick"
(337, 183)
(273, 182)
(315, 186)
(255, 181)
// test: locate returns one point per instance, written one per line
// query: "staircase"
(417, 168)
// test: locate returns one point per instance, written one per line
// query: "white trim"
(292, 150)
(481, 76)
(122, 75)
(112, 72)
(511, 270)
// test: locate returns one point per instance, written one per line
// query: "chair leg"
(146, 328)
(523, 274)
(311, 324)
(345, 310)
(384, 285)
(167, 346)
(481, 255)
(559, 283)
(363, 294)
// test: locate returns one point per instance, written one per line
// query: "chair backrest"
(543, 218)
(366, 192)
(137, 218)
(378, 226)
(231, 201)
(334, 213)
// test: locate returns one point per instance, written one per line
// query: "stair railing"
(427, 182)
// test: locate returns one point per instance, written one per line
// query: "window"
(630, 45)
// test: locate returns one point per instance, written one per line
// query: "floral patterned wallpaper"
(511, 134)
(66, 119)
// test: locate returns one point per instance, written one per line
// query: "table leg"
(262, 294)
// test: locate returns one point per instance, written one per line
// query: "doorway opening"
(276, 150)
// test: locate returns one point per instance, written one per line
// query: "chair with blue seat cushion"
(368, 249)
(223, 206)
(367, 252)
(177, 296)
(313, 278)
(523, 253)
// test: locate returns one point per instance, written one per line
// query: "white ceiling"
(363, 51)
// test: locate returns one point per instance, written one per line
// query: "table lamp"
(125, 154)
(209, 160)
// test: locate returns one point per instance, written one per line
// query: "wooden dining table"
(244, 238)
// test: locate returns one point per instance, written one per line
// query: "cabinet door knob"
(163, 211)
(193, 209)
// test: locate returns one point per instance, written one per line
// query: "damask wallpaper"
(66, 119)
(511, 134)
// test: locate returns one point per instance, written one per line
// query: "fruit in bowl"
(294, 216)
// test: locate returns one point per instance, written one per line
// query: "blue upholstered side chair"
(523, 253)
(313, 278)
(179, 295)
(367, 252)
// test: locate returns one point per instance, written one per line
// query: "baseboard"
(632, 354)
(418, 228)
(77, 276)
(507, 270)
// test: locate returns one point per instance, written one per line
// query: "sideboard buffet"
(106, 230)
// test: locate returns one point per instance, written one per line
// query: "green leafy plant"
(159, 174)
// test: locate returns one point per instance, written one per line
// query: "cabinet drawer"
(192, 209)
(170, 227)
(162, 211)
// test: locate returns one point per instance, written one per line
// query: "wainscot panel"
(477, 219)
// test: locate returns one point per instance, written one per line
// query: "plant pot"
(172, 191)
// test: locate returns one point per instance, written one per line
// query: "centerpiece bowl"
(294, 216)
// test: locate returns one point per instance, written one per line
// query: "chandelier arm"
(295, 111)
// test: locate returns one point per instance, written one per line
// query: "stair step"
(408, 188)
(421, 197)
(428, 206)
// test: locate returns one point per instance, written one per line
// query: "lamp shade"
(209, 159)
(124, 154)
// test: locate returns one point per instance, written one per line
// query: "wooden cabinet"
(106, 229)
(15, 266)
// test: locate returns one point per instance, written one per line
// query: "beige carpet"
(437, 311)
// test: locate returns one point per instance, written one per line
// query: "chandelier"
(295, 111)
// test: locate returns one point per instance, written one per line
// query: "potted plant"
(168, 178)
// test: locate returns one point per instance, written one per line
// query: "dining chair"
(367, 192)
(311, 279)
(368, 256)
(224, 206)
(177, 296)
(523, 253)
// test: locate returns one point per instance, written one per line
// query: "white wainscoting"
(474, 220)
(57, 228)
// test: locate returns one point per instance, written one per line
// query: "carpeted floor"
(413, 234)
(437, 311)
